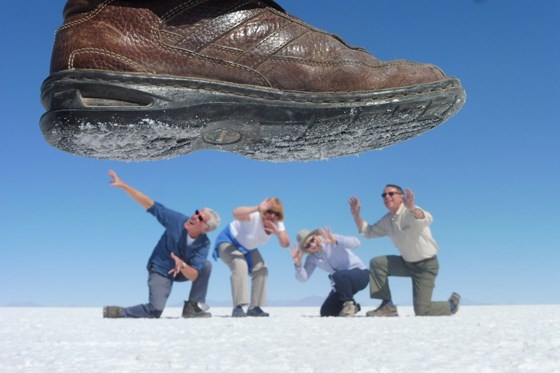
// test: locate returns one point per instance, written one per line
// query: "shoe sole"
(133, 117)
(111, 313)
(455, 299)
(372, 314)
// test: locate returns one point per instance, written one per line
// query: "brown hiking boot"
(383, 310)
(152, 79)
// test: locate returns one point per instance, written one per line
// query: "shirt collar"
(400, 209)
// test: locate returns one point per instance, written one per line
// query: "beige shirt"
(411, 236)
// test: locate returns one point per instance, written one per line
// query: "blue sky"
(489, 176)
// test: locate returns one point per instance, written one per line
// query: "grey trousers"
(423, 275)
(239, 278)
(160, 288)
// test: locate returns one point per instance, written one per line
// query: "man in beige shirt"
(408, 227)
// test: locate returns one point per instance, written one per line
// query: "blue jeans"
(160, 288)
(346, 282)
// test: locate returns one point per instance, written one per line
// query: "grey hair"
(213, 218)
(398, 188)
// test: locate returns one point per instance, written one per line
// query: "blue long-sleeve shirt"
(174, 239)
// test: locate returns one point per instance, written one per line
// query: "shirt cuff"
(363, 227)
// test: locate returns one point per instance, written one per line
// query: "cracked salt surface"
(477, 339)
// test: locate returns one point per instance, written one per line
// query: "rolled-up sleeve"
(372, 231)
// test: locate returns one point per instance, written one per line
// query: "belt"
(425, 260)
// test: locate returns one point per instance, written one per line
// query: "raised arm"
(243, 213)
(303, 272)
(283, 238)
(136, 195)
(355, 209)
(409, 204)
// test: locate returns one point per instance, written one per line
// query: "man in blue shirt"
(180, 255)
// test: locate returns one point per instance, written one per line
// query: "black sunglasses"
(275, 213)
(390, 194)
(197, 213)
(308, 244)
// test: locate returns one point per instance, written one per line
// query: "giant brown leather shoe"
(151, 79)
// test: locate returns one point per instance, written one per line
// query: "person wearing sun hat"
(237, 245)
(333, 254)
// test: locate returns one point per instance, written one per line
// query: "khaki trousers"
(239, 278)
(423, 276)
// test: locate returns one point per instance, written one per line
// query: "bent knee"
(377, 262)
(260, 269)
(422, 310)
(208, 266)
(239, 265)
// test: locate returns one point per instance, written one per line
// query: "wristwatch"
(183, 265)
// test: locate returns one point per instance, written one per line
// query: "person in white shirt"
(333, 254)
(408, 227)
(237, 245)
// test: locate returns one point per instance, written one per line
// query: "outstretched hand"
(296, 254)
(355, 206)
(116, 182)
(409, 199)
(270, 227)
(265, 205)
(178, 265)
(327, 235)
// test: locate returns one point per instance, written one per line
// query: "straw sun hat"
(304, 235)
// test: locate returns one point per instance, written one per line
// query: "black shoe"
(257, 312)
(191, 309)
(238, 312)
(113, 312)
(152, 80)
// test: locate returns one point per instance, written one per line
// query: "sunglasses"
(275, 213)
(390, 194)
(197, 213)
(309, 243)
